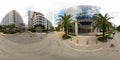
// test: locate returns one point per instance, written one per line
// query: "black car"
(113, 33)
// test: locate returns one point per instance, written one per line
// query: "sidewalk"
(84, 43)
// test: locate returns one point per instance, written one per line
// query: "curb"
(82, 50)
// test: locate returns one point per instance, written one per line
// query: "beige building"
(37, 19)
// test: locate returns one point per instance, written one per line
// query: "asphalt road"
(50, 47)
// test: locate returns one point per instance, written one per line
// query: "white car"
(111, 36)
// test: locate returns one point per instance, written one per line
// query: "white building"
(37, 19)
(13, 17)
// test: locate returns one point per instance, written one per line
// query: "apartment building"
(37, 21)
(13, 17)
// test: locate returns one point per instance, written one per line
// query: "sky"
(51, 7)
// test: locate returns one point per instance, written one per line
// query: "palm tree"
(1, 28)
(65, 22)
(118, 28)
(101, 22)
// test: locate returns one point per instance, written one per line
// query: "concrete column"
(95, 31)
(76, 28)
(91, 29)
(98, 30)
(63, 29)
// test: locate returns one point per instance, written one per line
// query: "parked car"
(113, 33)
(111, 36)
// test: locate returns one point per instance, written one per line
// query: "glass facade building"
(83, 15)
(83, 11)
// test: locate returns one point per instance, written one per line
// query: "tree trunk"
(103, 32)
(66, 31)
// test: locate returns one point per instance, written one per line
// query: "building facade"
(13, 17)
(83, 16)
(36, 19)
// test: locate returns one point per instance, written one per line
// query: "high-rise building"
(36, 19)
(13, 17)
(83, 15)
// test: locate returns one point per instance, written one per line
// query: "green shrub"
(73, 34)
(103, 39)
(32, 30)
(98, 35)
(118, 28)
(65, 36)
(10, 32)
(50, 30)
(46, 31)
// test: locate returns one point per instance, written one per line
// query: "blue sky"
(60, 12)
(51, 7)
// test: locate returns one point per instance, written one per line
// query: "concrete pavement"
(50, 47)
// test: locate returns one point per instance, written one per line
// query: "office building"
(83, 17)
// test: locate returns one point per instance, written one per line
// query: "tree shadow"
(102, 39)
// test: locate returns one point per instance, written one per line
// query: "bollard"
(112, 45)
(71, 39)
(77, 41)
(96, 41)
(87, 42)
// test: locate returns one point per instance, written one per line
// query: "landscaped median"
(101, 38)
(84, 43)
(105, 38)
